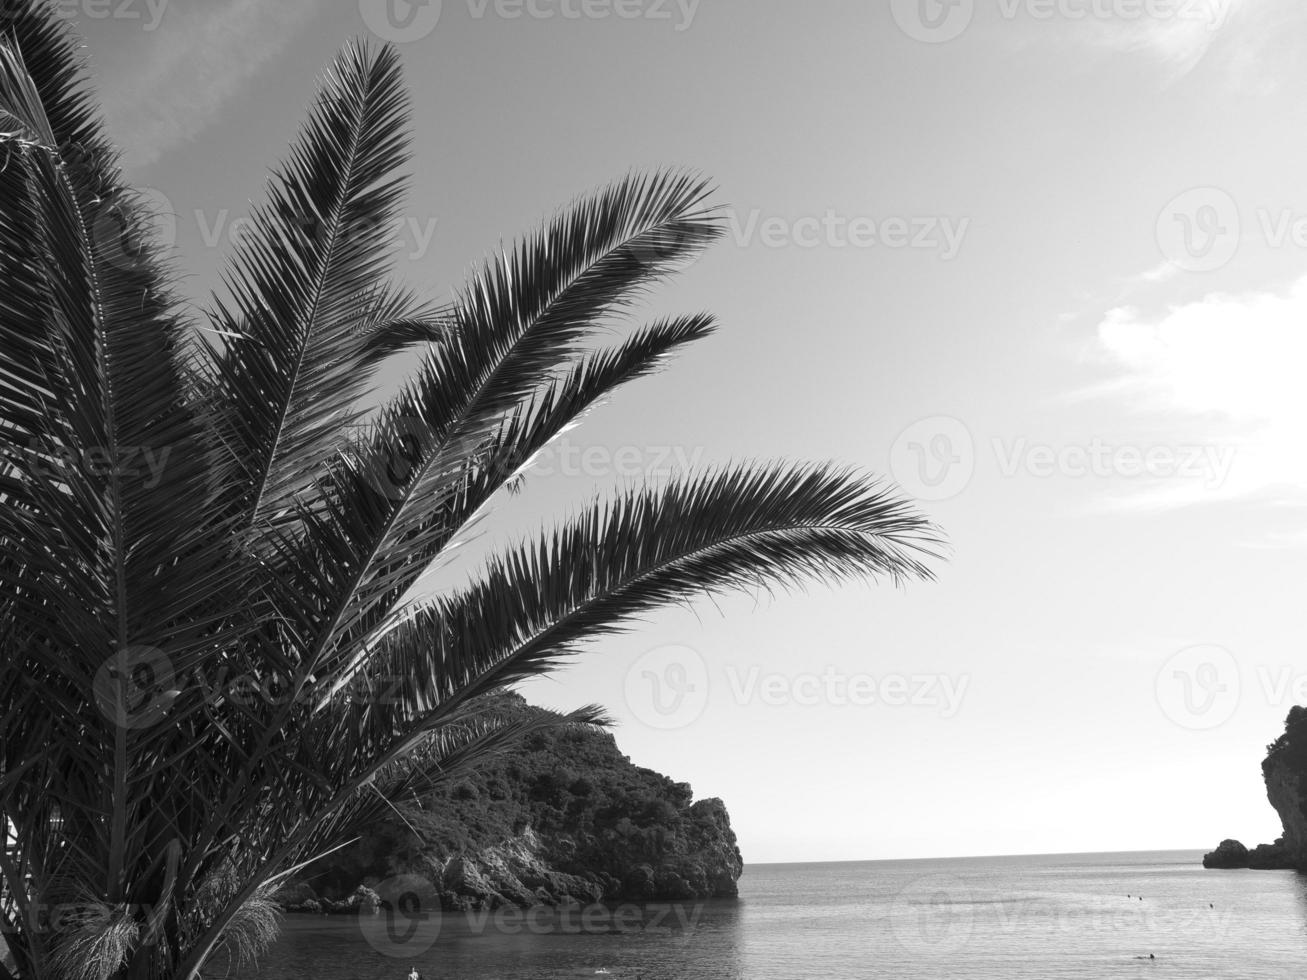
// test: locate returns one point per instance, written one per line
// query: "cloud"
(1158, 273)
(1248, 45)
(201, 56)
(1224, 372)
(1178, 41)
(1267, 46)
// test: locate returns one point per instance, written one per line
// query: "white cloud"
(1179, 41)
(202, 55)
(1158, 273)
(1226, 371)
(1249, 44)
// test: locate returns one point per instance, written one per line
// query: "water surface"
(1080, 917)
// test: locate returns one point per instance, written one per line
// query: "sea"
(1075, 916)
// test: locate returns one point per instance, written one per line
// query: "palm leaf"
(103, 556)
(739, 528)
(305, 311)
(520, 321)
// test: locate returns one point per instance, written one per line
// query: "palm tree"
(149, 802)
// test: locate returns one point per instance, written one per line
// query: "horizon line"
(969, 857)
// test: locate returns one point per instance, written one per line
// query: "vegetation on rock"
(566, 815)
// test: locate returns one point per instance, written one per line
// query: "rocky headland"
(1285, 772)
(565, 819)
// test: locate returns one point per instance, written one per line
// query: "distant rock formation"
(1285, 773)
(1228, 854)
(565, 819)
(300, 897)
(1263, 857)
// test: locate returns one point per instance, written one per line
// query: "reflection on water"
(658, 941)
(1080, 917)
(1300, 890)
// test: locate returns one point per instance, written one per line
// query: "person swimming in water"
(413, 974)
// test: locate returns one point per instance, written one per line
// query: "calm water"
(1011, 918)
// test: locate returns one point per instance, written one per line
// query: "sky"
(1041, 262)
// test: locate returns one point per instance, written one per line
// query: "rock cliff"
(1285, 773)
(567, 818)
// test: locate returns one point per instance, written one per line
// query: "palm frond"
(739, 528)
(455, 748)
(57, 93)
(20, 101)
(518, 323)
(510, 451)
(566, 401)
(102, 554)
(92, 381)
(94, 941)
(398, 320)
(252, 931)
(306, 313)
